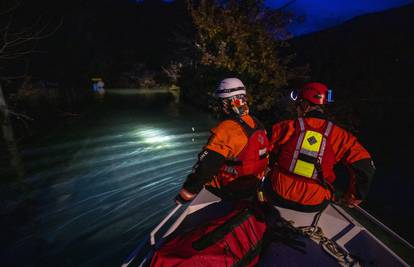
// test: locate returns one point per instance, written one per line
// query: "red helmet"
(314, 92)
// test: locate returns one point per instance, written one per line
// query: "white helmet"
(232, 97)
(230, 87)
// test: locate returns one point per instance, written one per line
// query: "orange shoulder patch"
(228, 139)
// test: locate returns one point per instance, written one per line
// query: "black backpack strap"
(247, 129)
(259, 124)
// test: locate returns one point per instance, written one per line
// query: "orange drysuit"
(237, 149)
(294, 189)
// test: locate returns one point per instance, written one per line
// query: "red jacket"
(301, 191)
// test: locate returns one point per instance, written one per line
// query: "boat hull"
(336, 224)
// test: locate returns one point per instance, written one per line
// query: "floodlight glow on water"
(156, 137)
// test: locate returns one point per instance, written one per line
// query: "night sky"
(321, 14)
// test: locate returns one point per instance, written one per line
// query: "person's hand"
(179, 200)
(184, 196)
(350, 201)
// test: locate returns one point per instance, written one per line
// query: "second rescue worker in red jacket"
(306, 150)
(236, 154)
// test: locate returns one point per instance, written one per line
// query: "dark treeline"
(132, 43)
(123, 42)
(366, 61)
(101, 37)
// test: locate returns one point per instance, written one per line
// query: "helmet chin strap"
(301, 108)
(304, 108)
(230, 112)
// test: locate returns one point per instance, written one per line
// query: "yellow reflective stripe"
(310, 144)
(312, 141)
(260, 196)
(304, 168)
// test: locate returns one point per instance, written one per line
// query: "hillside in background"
(368, 61)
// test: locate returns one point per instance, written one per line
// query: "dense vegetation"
(243, 39)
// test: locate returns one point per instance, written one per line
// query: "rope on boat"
(332, 248)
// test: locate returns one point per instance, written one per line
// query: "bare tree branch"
(8, 78)
(18, 40)
(19, 115)
(11, 8)
(21, 42)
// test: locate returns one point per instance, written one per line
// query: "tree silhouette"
(245, 39)
(15, 42)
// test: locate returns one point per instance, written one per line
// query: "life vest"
(302, 178)
(250, 164)
(308, 152)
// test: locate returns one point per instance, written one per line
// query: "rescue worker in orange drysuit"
(304, 152)
(235, 156)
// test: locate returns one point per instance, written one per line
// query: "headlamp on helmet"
(316, 93)
(294, 94)
(230, 87)
(330, 99)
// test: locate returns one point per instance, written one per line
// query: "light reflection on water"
(97, 195)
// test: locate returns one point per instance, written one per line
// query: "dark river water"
(98, 186)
